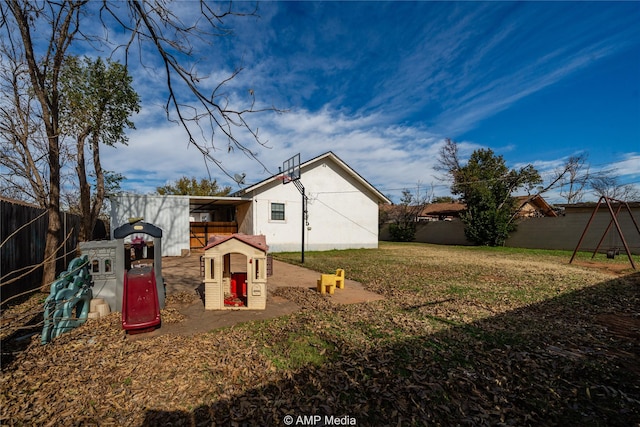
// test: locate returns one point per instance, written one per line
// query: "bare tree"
(61, 26)
(23, 146)
(39, 34)
(155, 24)
(608, 185)
(448, 160)
(574, 178)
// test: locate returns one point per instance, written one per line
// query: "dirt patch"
(608, 268)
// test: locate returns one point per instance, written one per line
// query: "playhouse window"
(257, 262)
(95, 266)
(277, 211)
(211, 269)
(107, 265)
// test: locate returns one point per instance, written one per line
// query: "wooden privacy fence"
(22, 253)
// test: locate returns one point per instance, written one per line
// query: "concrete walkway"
(294, 276)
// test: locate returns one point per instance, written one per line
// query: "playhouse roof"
(257, 241)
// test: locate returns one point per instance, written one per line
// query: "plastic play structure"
(67, 305)
(125, 277)
(329, 282)
(235, 272)
(142, 284)
(127, 273)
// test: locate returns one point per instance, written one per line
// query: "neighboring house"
(530, 207)
(441, 211)
(534, 207)
(342, 212)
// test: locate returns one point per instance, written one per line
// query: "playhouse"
(235, 272)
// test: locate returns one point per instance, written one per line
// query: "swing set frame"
(614, 220)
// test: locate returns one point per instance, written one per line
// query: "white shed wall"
(341, 214)
(169, 213)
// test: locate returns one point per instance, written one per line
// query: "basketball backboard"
(291, 169)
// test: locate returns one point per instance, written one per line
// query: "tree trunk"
(84, 234)
(52, 242)
(100, 190)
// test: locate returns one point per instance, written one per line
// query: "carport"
(209, 216)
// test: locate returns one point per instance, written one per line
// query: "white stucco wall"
(169, 213)
(342, 215)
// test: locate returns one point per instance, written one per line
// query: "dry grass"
(465, 336)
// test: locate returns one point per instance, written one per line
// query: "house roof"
(592, 205)
(442, 209)
(258, 242)
(328, 155)
(538, 202)
(453, 209)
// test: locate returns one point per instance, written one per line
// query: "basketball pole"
(300, 188)
(303, 215)
(291, 170)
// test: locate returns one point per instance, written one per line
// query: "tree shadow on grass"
(570, 360)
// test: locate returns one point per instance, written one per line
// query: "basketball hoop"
(291, 169)
(284, 178)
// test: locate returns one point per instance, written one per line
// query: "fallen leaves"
(459, 340)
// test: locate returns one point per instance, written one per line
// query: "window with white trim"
(277, 211)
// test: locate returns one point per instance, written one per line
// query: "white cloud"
(390, 157)
(457, 73)
(628, 168)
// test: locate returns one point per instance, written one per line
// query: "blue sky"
(381, 84)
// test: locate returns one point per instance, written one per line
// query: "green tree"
(485, 185)
(96, 101)
(191, 187)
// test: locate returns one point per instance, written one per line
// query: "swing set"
(612, 251)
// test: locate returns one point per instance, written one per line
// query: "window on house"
(277, 211)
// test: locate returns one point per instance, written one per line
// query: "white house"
(342, 211)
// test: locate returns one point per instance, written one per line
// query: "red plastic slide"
(140, 307)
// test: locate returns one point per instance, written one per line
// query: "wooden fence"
(22, 252)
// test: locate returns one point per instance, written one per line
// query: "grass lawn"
(465, 336)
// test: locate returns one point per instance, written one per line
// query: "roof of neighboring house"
(442, 209)
(258, 242)
(454, 208)
(592, 205)
(328, 155)
(538, 202)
